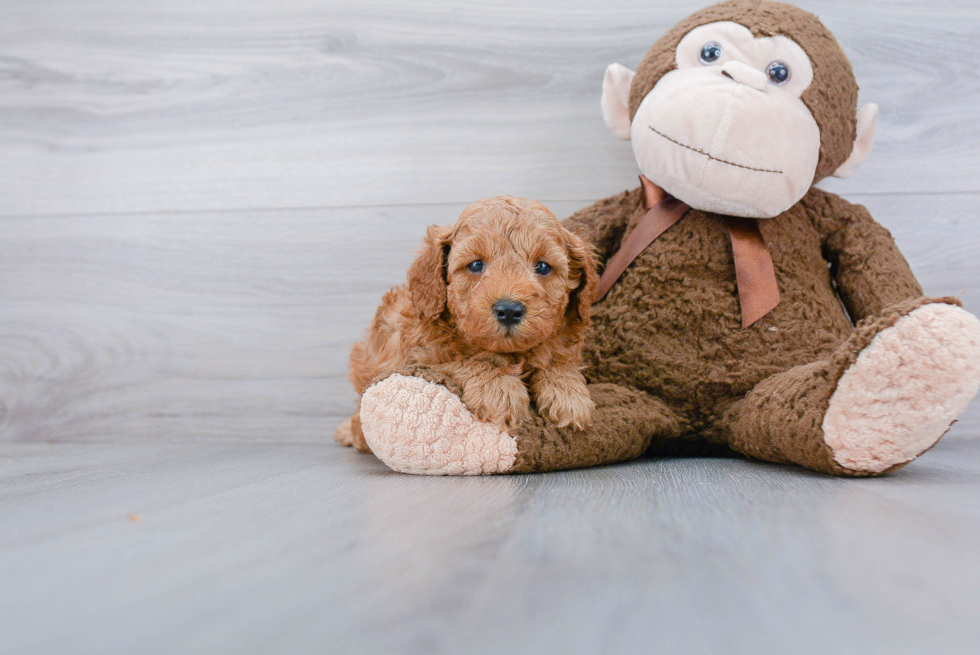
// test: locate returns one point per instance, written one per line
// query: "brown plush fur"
(682, 338)
(444, 317)
(669, 362)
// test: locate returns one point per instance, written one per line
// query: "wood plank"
(169, 307)
(262, 548)
(237, 325)
(116, 106)
(225, 325)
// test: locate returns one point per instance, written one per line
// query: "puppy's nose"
(509, 312)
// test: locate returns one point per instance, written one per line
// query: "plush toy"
(744, 307)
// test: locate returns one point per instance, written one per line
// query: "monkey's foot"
(905, 389)
(417, 426)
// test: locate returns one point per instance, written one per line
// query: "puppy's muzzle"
(509, 312)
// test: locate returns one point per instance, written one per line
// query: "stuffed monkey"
(744, 308)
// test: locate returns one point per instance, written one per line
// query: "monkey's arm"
(603, 224)
(870, 272)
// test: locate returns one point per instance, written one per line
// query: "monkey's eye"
(778, 73)
(542, 268)
(475, 266)
(710, 53)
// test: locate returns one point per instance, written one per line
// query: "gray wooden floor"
(200, 206)
(286, 548)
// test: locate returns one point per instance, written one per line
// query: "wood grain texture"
(237, 325)
(114, 106)
(201, 203)
(225, 325)
(156, 278)
(317, 549)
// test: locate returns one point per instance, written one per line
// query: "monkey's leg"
(415, 422)
(885, 396)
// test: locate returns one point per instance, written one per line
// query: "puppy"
(499, 302)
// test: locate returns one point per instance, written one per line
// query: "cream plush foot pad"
(416, 426)
(905, 389)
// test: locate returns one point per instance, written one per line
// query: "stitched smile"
(712, 157)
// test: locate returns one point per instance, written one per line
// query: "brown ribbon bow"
(758, 292)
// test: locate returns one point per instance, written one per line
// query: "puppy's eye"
(542, 268)
(475, 267)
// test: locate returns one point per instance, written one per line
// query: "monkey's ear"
(427, 275)
(867, 121)
(616, 99)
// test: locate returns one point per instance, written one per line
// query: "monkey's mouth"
(710, 156)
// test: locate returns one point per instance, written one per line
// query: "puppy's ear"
(582, 263)
(427, 275)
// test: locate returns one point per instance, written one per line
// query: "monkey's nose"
(509, 312)
(745, 74)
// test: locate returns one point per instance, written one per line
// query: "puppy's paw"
(565, 404)
(349, 433)
(360, 444)
(344, 435)
(503, 401)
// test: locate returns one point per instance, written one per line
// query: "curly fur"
(673, 371)
(443, 317)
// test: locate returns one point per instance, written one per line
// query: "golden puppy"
(500, 303)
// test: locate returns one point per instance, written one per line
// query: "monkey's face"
(726, 131)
